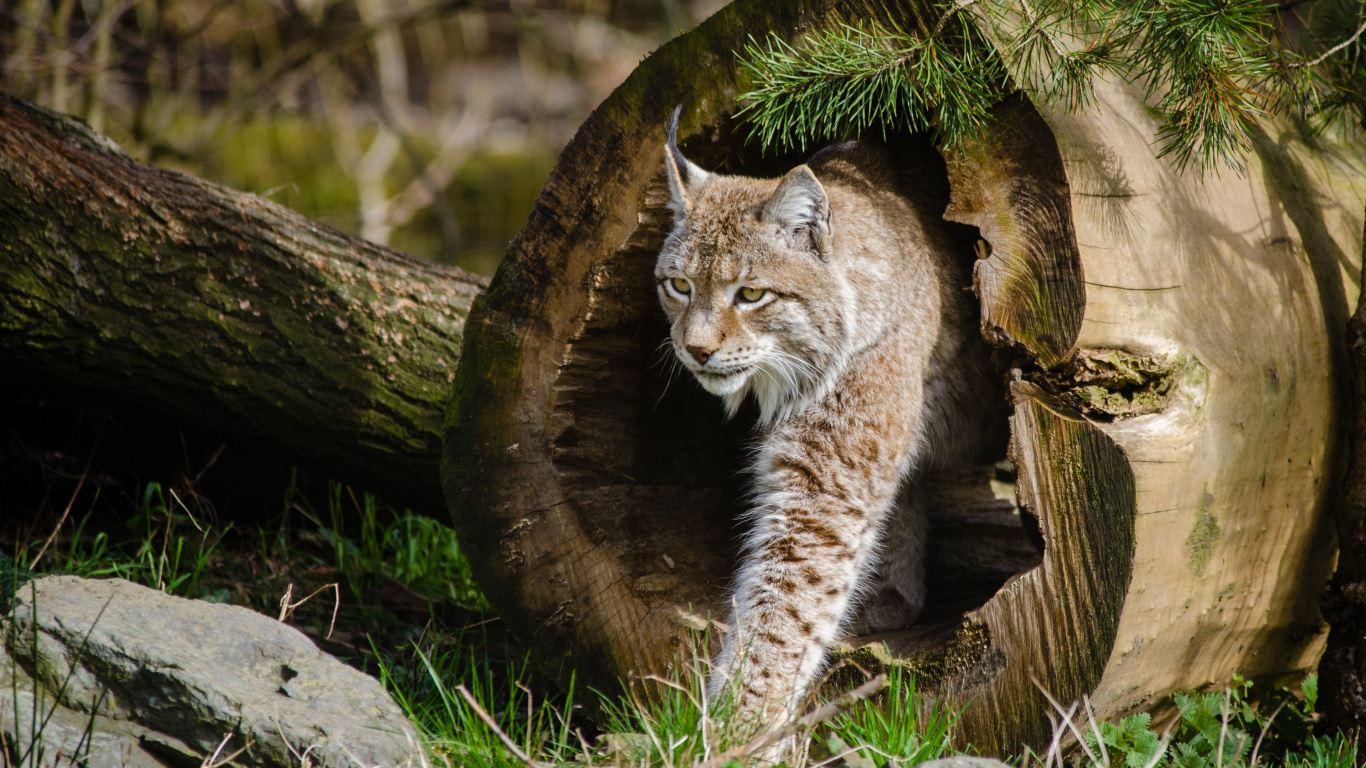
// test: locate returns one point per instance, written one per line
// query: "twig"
(1223, 733)
(645, 721)
(950, 13)
(802, 725)
(188, 513)
(212, 761)
(58, 529)
(492, 724)
(1161, 747)
(526, 747)
(287, 608)
(205, 19)
(1067, 719)
(207, 465)
(1095, 731)
(1252, 762)
(165, 543)
(101, 24)
(1355, 36)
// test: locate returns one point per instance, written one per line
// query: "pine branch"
(1212, 69)
(856, 78)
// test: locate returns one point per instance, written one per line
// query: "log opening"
(658, 475)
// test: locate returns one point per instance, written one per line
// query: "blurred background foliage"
(428, 125)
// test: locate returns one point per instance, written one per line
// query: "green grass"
(907, 730)
(437, 639)
(426, 684)
(158, 551)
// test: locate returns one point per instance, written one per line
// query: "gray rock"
(163, 680)
(66, 737)
(962, 761)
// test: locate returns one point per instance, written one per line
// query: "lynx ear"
(800, 204)
(684, 177)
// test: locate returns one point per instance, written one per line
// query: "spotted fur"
(862, 355)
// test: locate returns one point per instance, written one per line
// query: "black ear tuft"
(679, 161)
(825, 153)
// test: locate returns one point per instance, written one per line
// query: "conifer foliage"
(1211, 69)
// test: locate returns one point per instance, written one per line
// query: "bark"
(136, 285)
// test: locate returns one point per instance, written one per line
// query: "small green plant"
(1234, 728)
(417, 551)
(1131, 743)
(168, 548)
(670, 721)
(478, 701)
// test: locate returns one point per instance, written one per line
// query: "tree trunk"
(1176, 378)
(130, 284)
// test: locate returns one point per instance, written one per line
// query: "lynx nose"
(700, 354)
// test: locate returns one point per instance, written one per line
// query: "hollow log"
(128, 284)
(1174, 358)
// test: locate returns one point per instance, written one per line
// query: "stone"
(963, 761)
(142, 678)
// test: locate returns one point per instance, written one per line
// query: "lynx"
(836, 301)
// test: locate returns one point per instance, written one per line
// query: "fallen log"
(122, 283)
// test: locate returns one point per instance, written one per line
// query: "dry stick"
(492, 724)
(213, 760)
(1252, 762)
(207, 466)
(804, 724)
(1223, 733)
(287, 608)
(1095, 731)
(1067, 718)
(1355, 36)
(165, 542)
(529, 697)
(85, 472)
(188, 513)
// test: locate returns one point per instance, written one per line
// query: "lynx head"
(749, 279)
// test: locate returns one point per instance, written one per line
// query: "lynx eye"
(750, 295)
(681, 285)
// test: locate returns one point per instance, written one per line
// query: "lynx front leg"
(794, 589)
(821, 508)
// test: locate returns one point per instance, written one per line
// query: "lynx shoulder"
(835, 300)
